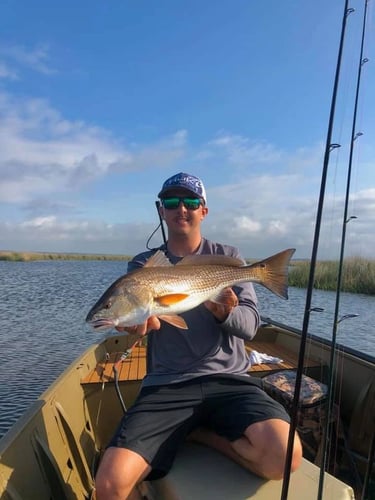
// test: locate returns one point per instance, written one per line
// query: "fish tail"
(274, 272)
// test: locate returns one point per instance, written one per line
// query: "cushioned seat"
(200, 473)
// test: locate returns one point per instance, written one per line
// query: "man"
(197, 383)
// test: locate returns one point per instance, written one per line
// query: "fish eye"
(108, 305)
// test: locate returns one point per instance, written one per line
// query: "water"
(357, 333)
(43, 307)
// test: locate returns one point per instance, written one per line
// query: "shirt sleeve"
(139, 260)
(244, 320)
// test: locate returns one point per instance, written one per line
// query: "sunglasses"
(174, 201)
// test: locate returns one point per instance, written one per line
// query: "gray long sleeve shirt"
(208, 347)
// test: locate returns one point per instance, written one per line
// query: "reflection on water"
(42, 313)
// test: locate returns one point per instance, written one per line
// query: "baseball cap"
(184, 181)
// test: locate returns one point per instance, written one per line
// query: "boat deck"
(134, 367)
(288, 357)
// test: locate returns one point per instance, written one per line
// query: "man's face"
(183, 220)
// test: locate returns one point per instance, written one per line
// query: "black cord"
(151, 235)
(161, 225)
(118, 392)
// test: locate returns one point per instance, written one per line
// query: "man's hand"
(153, 323)
(228, 300)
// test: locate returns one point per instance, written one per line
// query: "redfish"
(165, 290)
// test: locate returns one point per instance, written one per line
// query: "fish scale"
(198, 279)
(166, 290)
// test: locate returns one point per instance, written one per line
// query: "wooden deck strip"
(125, 367)
(289, 359)
(137, 369)
(132, 368)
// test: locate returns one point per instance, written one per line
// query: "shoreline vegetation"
(358, 273)
(34, 256)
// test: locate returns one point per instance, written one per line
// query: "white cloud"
(277, 227)
(40, 222)
(42, 153)
(6, 72)
(52, 234)
(257, 236)
(19, 56)
(162, 154)
(241, 151)
(48, 162)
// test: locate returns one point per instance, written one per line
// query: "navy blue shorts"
(162, 416)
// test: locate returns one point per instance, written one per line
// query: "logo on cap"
(184, 181)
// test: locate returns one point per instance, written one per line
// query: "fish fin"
(275, 272)
(207, 260)
(225, 298)
(158, 260)
(170, 299)
(176, 321)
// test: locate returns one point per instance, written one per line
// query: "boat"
(53, 451)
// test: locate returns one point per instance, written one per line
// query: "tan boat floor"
(134, 367)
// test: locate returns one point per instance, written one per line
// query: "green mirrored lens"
(191, 203)
(173, 202)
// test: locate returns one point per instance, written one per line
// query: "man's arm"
(240, 317)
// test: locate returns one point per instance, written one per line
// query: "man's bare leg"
(119, 472)
(262, 448)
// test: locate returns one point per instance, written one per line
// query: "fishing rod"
(328, 148)
(345, 221)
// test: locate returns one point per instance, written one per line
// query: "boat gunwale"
(368, 358)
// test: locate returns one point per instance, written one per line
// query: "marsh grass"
(358, 275)
(34, 256)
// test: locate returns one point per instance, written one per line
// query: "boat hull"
(54, 449)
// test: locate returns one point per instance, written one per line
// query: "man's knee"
(297, 453)
(275, 459)
(119, 472)
(265, 444)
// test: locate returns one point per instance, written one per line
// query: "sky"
(101, 101)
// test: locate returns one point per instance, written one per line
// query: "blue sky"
(100, 102)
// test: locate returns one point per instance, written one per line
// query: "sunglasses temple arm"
(157, 203)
